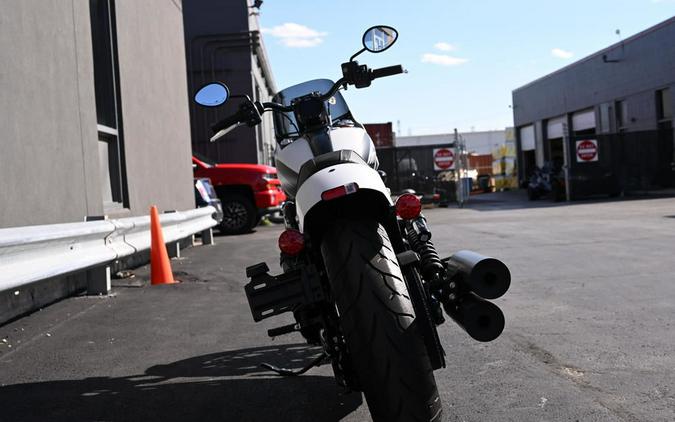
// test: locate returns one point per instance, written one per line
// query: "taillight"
(408, 206)
(268, 181)
(291, 242)
(339, 191)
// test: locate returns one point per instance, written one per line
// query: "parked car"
(205, 195)
(247, 192)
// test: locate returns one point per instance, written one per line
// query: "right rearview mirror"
(379, 38)
(212, 95)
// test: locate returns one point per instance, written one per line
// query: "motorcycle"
(360, 273)
(545, 181)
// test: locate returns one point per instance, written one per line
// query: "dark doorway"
(556, 152)
(529, 163)
(665, 174)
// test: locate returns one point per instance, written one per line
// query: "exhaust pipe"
(488, 277)
(482, 320)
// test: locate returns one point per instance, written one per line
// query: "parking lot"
(589, 335)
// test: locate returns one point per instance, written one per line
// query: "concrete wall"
(645, 64)
(49, 164)
(154, 104)
(49, 169)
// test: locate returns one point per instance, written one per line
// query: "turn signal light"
(408, 206)
(339, 191)
(291, 242)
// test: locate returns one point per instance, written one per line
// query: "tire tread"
(378, 320)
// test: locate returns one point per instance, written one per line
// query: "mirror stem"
(351, 59)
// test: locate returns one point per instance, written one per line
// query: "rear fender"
(369, 183)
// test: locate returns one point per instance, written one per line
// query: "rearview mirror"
(379, 38)
(212, 95)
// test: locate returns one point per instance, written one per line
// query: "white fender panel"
(310, 192)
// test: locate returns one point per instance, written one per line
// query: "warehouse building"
(223, 43)
(477, 142)
(93, 112)
(607, 119)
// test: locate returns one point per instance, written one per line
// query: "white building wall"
(476, 142)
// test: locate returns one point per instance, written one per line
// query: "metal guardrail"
(34, 253)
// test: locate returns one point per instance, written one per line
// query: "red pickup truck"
(247, 192)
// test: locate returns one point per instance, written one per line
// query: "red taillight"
(408, 206)
(339, 191)
(291, 242)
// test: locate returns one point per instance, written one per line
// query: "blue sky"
(464, 57)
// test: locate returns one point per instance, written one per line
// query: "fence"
(412, 168)
(625, 162)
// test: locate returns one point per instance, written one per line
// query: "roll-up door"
(527, 138)
(583, 120)
(554, 128)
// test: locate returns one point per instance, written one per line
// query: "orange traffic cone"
(160, 266)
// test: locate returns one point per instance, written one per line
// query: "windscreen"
(285, 125)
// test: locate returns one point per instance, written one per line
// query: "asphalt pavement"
(589, 335)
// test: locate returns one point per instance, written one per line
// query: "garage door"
(554, 128)
(527, 138)
(583, 120)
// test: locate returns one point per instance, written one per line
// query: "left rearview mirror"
(212, 95)
(379, 38)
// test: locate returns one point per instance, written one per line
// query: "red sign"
(444, 159)
(587, 151)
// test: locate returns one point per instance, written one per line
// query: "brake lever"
(224, 132)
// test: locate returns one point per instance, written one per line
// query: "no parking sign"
(587, 151)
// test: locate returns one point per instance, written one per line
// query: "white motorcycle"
(360, 273)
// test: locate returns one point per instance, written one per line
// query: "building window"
(664, 104)
(108, 111)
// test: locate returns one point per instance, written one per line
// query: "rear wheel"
(377, 318)
(239, 214)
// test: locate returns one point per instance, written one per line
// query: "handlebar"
(387, 71)
(360, 76)
(277, 107)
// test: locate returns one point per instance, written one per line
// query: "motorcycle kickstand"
(293, 373)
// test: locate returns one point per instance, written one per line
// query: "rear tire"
(239, 214)
(385, 346)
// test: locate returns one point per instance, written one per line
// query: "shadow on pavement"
(517, 199)
(227, 386)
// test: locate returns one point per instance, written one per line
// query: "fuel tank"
(290, 158)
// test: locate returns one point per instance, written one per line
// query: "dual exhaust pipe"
(473, 279)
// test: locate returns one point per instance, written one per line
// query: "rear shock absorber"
(433, 270)
(419, 237)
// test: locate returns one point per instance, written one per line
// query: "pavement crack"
(47, 331)
(574, 374)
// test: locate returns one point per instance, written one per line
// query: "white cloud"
(295, 35)
(444, 46)
(561, 54)
(443, 59)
